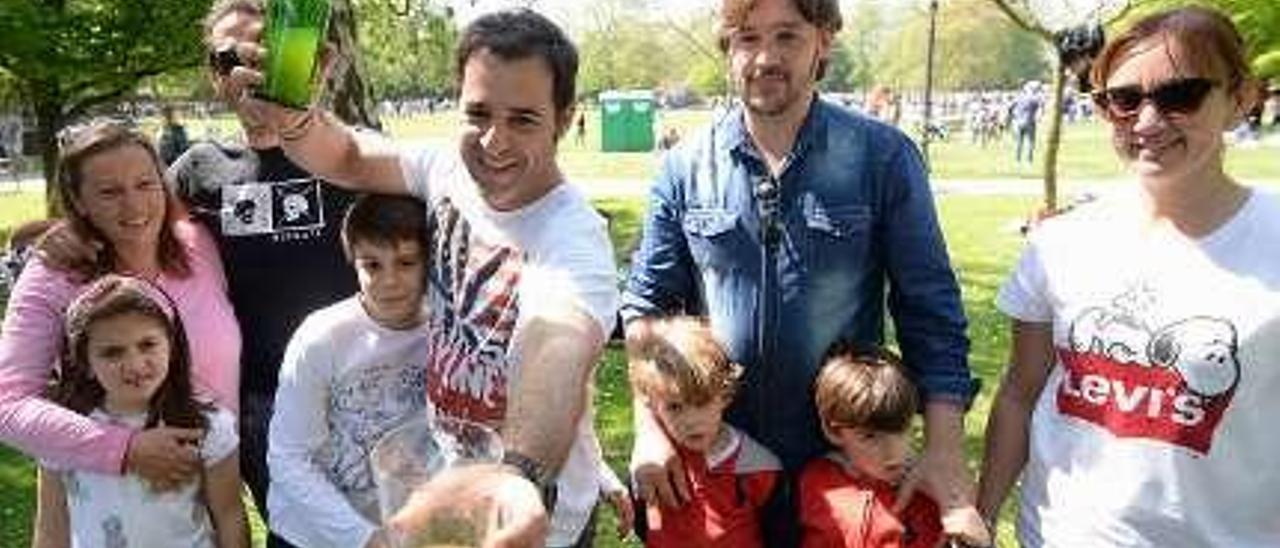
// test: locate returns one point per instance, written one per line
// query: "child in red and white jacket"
(684, 376)
(866, 404)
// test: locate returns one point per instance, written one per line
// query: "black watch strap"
(536, 472)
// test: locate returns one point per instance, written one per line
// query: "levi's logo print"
(1169, 381)
(473, 318)
(285, 210)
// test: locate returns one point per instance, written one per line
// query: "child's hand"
(620, 500)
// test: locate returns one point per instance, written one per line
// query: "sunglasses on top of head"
(1181, 96)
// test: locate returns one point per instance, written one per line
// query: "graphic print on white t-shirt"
(1170, 382)
(278, 208)
(474, 303)
(363, 405)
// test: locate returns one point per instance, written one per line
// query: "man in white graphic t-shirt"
(521, 285)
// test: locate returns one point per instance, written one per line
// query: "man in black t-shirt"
(277, 228)
(277, 231)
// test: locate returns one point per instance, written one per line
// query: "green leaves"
(978, 48)
(84, 48)
(1257, 20)
(406, 55)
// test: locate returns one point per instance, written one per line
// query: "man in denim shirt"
(782, 222)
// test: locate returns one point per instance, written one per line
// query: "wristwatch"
(541, 475)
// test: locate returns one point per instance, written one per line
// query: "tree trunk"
(49, 121)
(348, 95)
(1054, 139)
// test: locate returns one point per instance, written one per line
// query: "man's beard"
(775, 104)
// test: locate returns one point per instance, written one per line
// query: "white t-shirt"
(1157, 425)
(344, 382)
(108, 510)
(488, 270)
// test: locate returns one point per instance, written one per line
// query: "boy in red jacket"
(865, 403)
(684, 376)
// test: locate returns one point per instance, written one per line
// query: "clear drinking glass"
(408, 457)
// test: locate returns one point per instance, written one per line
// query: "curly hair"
(681, 358)
(824, 14)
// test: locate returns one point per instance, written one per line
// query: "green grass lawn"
(17, 208)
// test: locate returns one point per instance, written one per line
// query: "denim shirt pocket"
(837, 235)
(715, 237)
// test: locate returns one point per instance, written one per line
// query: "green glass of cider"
(294, 33)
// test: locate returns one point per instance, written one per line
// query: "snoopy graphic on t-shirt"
(1129, 371)
(1202, 350)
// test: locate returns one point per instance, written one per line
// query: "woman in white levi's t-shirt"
(1138, 407)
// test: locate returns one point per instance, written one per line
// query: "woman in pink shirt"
(112, 189)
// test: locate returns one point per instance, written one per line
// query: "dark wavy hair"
(80, 143)
(384, 220)
(521, 33)
(823, 14)
(223, 8)
(111, 296)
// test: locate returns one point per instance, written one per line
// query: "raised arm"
(356, 159)
(314, 138)
(559, 350)
(559, 347)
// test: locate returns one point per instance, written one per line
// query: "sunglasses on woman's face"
(1181, 96)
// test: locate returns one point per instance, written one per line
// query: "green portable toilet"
(626, 121)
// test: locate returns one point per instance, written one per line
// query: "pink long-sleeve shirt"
(31, 341)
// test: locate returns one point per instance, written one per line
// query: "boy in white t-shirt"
(351, 371)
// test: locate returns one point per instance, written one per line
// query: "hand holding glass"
(416, 467)
(294, 33)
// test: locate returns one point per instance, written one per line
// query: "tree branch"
(688, 36)
(128, 80)
(78, 107)
(1128, 6)
(1021, 21)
